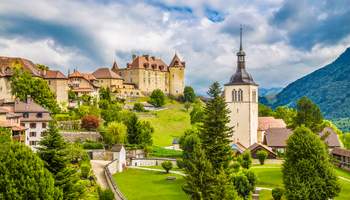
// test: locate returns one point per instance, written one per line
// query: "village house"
(341, 157)
(11, 121)
(260, 147)
(83, 83)
(57, 81)
(276, 138)
(264, 123)
(34, 118)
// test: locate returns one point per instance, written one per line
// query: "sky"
(283, 40)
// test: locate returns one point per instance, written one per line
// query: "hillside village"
(121, 126)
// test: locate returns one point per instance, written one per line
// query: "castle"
(148, 73)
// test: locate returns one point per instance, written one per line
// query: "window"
(25, 115)
(22, 124)
(43, 125)
(32, 125)
(254, 96)
(234, 95)
(32, 143)
(39, 115)
(240, 95)
(32, 134)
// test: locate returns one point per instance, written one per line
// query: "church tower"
(241, 96)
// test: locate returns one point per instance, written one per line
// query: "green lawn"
(140, 184)
(271, 177)
(168, 124)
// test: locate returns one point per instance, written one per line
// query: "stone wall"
(151, 161)
(80, 136)
(112, 184)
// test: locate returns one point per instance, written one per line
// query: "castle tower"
(176, 76)
(241, 96)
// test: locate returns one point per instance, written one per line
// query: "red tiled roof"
(54, 74)
(9, 62)
(105, 73)
(270, 122)
(75, 74)
(148, 62)
(176, 62)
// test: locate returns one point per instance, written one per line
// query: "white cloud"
(127, 28)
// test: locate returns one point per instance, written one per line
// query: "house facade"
(83, 83)
(34, 118)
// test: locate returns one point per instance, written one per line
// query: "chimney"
(29, 99)
(133, 56)
(146, 56)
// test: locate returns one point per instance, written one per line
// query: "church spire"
(240, 39)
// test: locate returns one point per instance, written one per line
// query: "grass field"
(168, 124)
(141, 185)
(271, 176)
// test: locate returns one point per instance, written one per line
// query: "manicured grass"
(175, 168)
(165, 153)
(268, 177)
(271, 177)
(141, 184)
(168, 124)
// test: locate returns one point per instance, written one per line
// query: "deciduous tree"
(189, 95)
(309, 115)
(157, 98)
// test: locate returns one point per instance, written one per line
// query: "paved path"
(99, 171)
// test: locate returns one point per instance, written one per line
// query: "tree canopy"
(24, 85)
(307, 170)
(157, 98)
(189, 95)
(23, 175)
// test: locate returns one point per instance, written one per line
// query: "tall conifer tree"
(215, 134)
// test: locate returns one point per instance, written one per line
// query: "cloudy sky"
(283, 40)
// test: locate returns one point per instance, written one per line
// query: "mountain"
(329, 87)
(269, 91)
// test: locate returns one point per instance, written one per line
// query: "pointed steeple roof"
(176, 62)
(115, 66)
(241, 77)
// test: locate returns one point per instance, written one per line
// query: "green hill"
(329, 87)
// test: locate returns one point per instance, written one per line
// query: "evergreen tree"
(53, 151)
(309, 115)
(132, 129)
(214, 133)
(307, 170)
(223, 187)
(23, 175)
(200, 179)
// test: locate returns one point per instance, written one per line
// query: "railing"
(118, 195)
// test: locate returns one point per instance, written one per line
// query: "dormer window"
(39, 115)
(25, 115)
(154, 66)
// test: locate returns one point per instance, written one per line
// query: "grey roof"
(241, 77)
(30, 106)
(332, 140)
(277, 137)
(117, 148)
(341, 152)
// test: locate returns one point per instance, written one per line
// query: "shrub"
(157, 98)
(167, 166)
(245, 159)
(277, 193)
(85, 169)
(262, 155)
(236, 166)
(90, 122)
(106, 194)
(180, 163)
(92, 145)
(138, 107)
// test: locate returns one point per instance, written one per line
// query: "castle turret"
(241, 96)
(176, 76)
